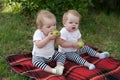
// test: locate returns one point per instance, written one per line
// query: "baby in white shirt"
(71, 36)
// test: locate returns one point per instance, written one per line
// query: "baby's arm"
(66, 44)
(42, 43)
(63, 43)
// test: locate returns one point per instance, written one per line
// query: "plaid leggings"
(41, 61)
(75, 56)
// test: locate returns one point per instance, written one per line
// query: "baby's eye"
(70, 22)
(48, 26)
(76, 23)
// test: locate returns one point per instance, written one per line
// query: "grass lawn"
(99, 30)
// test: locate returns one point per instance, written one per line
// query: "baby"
(70, 41)
(43, 44)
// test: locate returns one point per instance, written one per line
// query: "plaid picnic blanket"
(106, 69)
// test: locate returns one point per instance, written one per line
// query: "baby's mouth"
(73, 28)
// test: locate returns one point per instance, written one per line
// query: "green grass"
(15, 38)
(103, 31)
(99, 30)
(14, 34)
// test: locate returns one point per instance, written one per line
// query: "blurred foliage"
(58, 7)
(107, 6)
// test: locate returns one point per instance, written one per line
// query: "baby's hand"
(51, 36)
(81, 44)
(75, 45)
(56, 32)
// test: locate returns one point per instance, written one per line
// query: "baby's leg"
(89, 65)
(40, 63)
(50, 70)
(92, 52)
(60, 58)
(79, 60)
(102, 55)
(88, 50)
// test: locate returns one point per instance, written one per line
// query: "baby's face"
(48, 25)
(72, 23)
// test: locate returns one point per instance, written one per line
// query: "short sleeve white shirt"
(70, 37)
(47, 51)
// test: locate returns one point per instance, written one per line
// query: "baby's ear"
(64, 24)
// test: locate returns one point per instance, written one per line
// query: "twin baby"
(70, 44)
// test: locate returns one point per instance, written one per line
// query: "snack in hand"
(81, 44)
(56, 32)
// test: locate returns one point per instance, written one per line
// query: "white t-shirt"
(47, 51)
(69, 36)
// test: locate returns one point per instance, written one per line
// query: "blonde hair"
(41, 14)
(73, 12)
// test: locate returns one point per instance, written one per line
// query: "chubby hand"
(56, 32)
(81, 44)
(51, 36)
(78, 45)
(75, 45)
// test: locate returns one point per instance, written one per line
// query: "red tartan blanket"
(106, 69)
